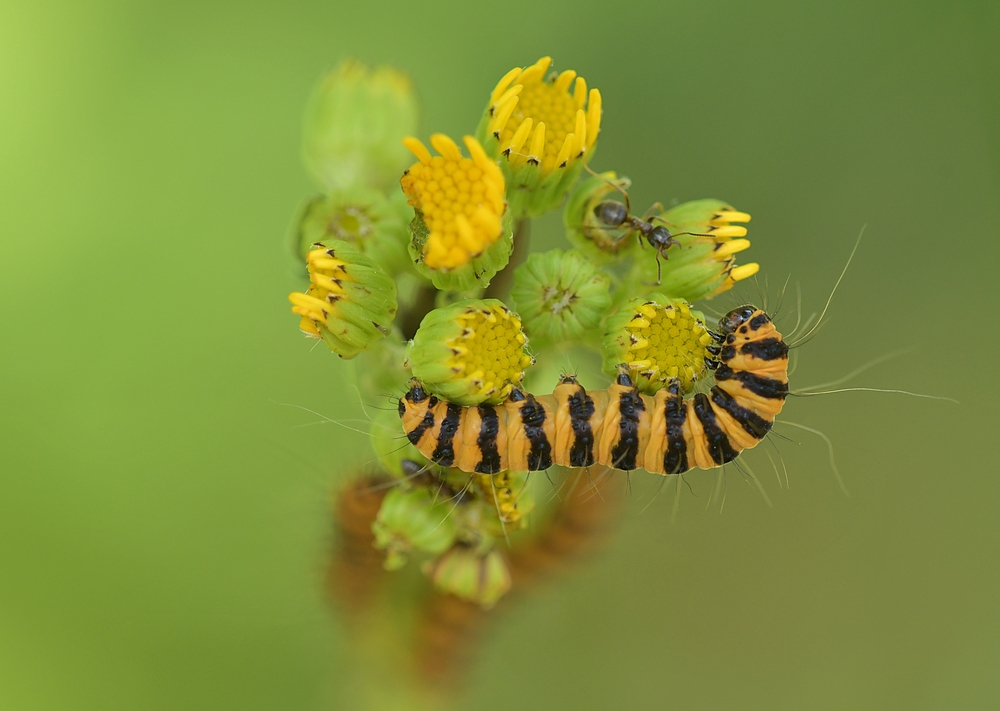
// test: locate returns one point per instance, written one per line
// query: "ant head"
(736, 318)
(611, 213)
(660, 238)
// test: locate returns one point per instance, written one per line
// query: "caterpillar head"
(731, 322)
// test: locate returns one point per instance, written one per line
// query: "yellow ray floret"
(326, 274)
(729, 241)
(461, 199)
(538, 120)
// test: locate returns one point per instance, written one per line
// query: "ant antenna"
(628, 205)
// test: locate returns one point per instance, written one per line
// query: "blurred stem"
(423, 304)
(500, 286)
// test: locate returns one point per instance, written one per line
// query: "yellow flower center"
(326, 274)
(461, 200)
(540, 121)
(667, 341)
(490, 351)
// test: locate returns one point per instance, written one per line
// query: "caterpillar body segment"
(618, 427)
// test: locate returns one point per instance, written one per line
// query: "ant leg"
(628, 206)
(651, 213)
(659, 269)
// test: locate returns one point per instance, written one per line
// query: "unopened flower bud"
(369, 220)
(560, 295)
(410, 521)
(600, 242)
(463, 571)
(353, 126)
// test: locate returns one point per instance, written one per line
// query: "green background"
(163, 512)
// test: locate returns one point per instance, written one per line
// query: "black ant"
(614, 214)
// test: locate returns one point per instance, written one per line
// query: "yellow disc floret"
(658, 339)
(537, 120)
(490, 350)
(470, 352)
(461, 200)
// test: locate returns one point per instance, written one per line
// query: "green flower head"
(470, 352)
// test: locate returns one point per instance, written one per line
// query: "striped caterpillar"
(617, 427)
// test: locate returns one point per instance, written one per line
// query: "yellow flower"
(350, 302)
(459, 199)
(658, 339)
(470, 352)
(541, 133)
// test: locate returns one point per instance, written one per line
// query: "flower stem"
(502, 282)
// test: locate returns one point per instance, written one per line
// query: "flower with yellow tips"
(461, 232)
(350, 302)
(703, 264)
(541, 132)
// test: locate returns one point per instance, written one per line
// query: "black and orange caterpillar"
(617, 427)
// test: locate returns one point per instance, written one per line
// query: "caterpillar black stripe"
(617, 427)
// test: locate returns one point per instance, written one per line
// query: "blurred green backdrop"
(163, 515)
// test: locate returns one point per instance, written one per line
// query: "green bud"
(463, 571)
(658, 339)
(470, 352)
(704, 264)
(350, 302)
(412, 521)
(354, 124)
(371, 221)
(588, 234)
(560, 295)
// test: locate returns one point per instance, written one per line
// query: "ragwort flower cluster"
(419, 267)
